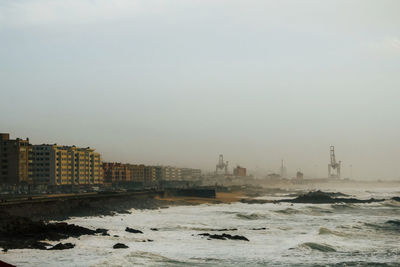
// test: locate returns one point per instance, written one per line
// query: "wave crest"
(252, 216)
(318, 247)
(326, 231)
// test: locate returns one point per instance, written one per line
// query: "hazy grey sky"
(179, 82)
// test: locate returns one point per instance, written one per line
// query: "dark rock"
(39, 245)
(256, 229)
(237, 237)
(61, 246)
(153, 229)
(20, 232)
(5, 264)
(254, 201)
(396, 198)
(120, 245)
(319, 197)
(131, 230)
(205, 234)
(102, 231)
(225, 229)
(224, 236)
(394, 222)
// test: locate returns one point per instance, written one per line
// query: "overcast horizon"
(180, 82)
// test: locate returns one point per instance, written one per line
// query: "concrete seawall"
(61, 207)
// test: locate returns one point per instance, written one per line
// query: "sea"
(279, 235)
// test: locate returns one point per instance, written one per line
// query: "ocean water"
(294, 235)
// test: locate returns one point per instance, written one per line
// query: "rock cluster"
(20, 232)
(224, 236)
(131, 230)
(319, 197)
(120, 245)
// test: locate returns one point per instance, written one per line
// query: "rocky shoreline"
(34, 231)
(319, 197)
(20, 232)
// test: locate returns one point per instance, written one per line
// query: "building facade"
(66, 165)
(189, 174)
(137, 173)
(116, 173)
(150, 175)
(14, 160)
(239, 171)
(167, 173)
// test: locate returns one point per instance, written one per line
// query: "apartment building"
(189, 174)
(116, 172)
(167, 173)
(14, 160)
(150, 175)
(137, 173)
(66, 165)
(239, 171)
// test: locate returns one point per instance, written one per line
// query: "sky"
(180, 82)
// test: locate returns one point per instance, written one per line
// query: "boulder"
(131, 230)
(319, 197)
(120, 245)
(224, 236)
(61, 246)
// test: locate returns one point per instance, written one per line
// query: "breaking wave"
(288, 211)
(391, 203)
(391, 225)
(252, 216)
(318, 247)
(326, 231)
(343, 206)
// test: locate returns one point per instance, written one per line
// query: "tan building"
(167, 173)
(239, 171)
(116, 172)
(14, 160)
(137, 172)
(150, 175)
(66, 165)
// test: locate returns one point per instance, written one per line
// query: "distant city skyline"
(180, 83)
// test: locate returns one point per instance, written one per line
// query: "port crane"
(221, 164)
(334, 167)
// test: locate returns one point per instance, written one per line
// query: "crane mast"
(333, 167)
(221, 165)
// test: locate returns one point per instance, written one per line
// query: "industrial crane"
(333, 167)
(221, 165)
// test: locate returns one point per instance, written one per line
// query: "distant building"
(14, 160)
(150, 175)
(239, 171)
(137, 173)
(167, 173)
(66, 165)
(189, 174)
(116, 172)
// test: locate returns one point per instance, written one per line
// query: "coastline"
(221, 198)
(108, 205)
